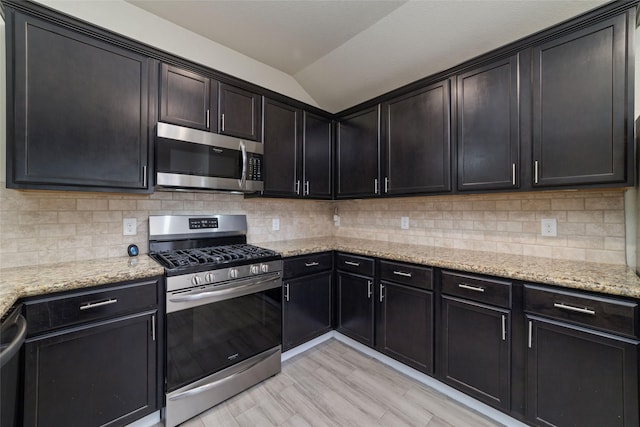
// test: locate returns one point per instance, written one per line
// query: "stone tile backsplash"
(39, 227)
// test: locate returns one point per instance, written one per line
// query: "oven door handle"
(229, 293)
(8, 351)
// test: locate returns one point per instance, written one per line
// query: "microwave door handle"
(243, 179)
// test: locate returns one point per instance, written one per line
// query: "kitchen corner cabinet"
(582, 122)
(93, 358)
(297, 151)
(357, 154)
(307, 309)
(488, 127)
(404, 314)
(582, 359)
(78, 110)
(475, 350)
(240, 112)
(355, 299)
(417, 146)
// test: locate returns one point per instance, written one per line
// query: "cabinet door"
(79, 116)
(488, 130)
(317, 161)
(185, 98)
(580, 107)
(475, 350)
(578, 377)
(418, 142)
(240, 112)
(355, 307)
(306, 309)
(101, 374)
(404, 320)
(281, 149)
(358, 154)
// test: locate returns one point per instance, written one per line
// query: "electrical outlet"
(404, 222)
(549, 227)
(275, 224)
(129, 227)
(336, 220)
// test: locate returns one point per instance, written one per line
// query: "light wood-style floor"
(335, 385)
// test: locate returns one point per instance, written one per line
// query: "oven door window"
(186, 158)
(208, 338)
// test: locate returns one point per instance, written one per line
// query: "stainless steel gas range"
(223, 304)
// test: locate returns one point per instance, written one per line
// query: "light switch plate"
(275, 224)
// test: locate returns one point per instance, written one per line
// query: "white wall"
(131, 21)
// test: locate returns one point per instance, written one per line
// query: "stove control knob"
(233, 273)
(196, 280)
(208, 277)
(264, 268)
(255, 269)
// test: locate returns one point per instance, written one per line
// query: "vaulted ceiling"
(343, 52)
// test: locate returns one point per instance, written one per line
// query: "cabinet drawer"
(355, 264)
(477, 288)
(71, 309)
(408, 274)
(307, 264)
(609, 314)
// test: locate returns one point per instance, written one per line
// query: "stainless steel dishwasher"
(13, 330)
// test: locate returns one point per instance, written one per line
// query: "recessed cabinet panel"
(317, 167)
(240, 112)
(281, 149)
(185, 98)
(488, 141)
(355, 307)
(579, 106)
(418, 147)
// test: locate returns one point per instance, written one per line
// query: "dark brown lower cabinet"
(580, 377)
(355, 307)
(100, 374)
(404, 324)
(476, 350)
(306, 311)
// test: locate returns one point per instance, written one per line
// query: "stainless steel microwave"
(192, 159)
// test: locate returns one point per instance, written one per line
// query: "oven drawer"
(477, 288)
(61, 311)
(307, 264)
(609, 314)
(355, 264)
(408, 274)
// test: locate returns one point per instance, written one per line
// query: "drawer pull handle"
(402, 273)
(98, 304)
(355, 264)
(574, 309)
(471, 287)
(311, 264)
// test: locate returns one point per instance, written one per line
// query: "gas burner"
(212, 256)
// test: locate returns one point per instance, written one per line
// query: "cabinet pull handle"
(504, 327)
(306, 188)
(98, 304)
(298, 187)
(535, 172)
(369, 289)
(471, 287)
(144, 176)
(574, 309)
(286, 292)
(513, 174)
(222, 122)
(153, 327)
(355, 264)
(530, 333)
(381, 292)
(311, 264)
(402, 273)
(386, 184)
(375, 186)
(208, 120)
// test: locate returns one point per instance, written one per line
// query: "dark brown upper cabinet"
(188, 99)
(78, 116)
(582, 101)
(240, 112)
(488, 131)
(358, 154)
(297, 152)
(417, 148)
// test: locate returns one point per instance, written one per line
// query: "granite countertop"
(596, 277)
(20, 282)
